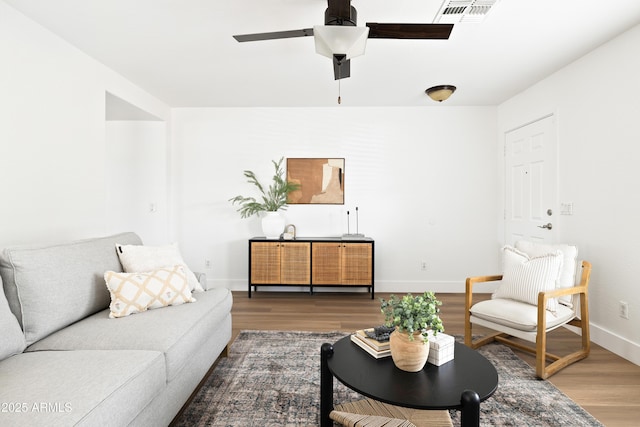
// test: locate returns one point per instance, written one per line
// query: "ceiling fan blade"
(409, 31)
(274, 35)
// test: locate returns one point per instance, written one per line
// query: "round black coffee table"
(460, 384)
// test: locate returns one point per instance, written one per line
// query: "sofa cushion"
(176, 331)
(137, 292)
(50, 287)
(11, 336)
(137, 258)
(79, 388)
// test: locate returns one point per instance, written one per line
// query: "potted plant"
(271, 201)
(412, 316)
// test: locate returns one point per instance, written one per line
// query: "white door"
(531, 161)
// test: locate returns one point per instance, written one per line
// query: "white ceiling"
(182, 51)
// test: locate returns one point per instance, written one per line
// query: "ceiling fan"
(341, 40)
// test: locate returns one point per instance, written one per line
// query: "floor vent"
(458, 11)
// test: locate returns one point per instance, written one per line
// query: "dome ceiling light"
(441, 92)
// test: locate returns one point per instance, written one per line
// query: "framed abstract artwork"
(321, 181)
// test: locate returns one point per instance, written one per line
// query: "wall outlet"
(624, 309)
(423, 266)
(207, 263)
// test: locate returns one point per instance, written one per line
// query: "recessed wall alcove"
(137, 168)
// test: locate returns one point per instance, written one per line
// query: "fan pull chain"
(339, 98)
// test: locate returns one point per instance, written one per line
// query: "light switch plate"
(566, 208)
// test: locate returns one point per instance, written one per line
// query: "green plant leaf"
(272, 200)
(411, 314)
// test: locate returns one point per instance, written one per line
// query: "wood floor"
(604, 384)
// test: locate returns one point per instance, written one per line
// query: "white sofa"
(64, 362)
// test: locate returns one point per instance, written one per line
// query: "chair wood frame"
(539, 336)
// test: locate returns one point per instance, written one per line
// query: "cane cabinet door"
(265, 262)
(327, 263)
(356, 263)
(295, 263)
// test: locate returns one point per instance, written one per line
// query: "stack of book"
(375, 348)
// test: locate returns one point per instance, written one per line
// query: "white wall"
(53, 166)
(137, 196)
(597, 102)
(424, 179)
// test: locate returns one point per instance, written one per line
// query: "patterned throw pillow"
(138, 292)
(136, 258)
(524, 277)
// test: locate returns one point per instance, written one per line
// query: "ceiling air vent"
(457, 11)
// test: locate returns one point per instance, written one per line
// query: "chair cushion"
(11, 338)
(567, 277)
(524, 277)
(519, 315)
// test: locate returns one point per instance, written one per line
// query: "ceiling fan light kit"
(341, 40)
(441, 92)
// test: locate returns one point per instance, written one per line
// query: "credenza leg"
(326, 385)
(470, 414)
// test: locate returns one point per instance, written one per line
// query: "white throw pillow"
(524, 277)
(138, 292)
(140, 258)
(567, 277)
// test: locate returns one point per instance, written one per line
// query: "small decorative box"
(440, 348)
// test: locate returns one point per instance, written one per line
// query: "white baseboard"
(416, 287)
(615, 343)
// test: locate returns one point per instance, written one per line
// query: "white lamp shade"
(339, 39)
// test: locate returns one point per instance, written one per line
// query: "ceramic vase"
(273, 225)
(408, 355)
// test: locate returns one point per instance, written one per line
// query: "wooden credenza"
(313, 261)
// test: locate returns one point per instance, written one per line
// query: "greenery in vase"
(272, 200)
(411, 314)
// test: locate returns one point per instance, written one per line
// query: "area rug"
(273, 379)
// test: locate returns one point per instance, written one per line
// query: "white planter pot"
(273, 225)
